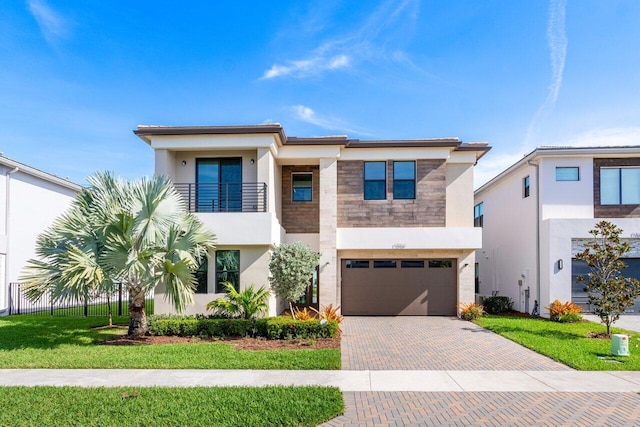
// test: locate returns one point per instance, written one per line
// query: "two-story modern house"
(30, 200)
(536, 216)
(392, 220)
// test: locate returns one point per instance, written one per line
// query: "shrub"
(279, 328)
(303, 314)
(470, 311)
(272, 327)
(292, 266)
(328, 312)
(497, 304)
(245, 304)
(564, 312)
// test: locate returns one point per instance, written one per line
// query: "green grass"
(66, 342)
(198, 406)
(566, 343)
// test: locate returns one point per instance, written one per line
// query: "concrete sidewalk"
(347, 381)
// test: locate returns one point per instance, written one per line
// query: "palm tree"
(246, 304)
(134, 232)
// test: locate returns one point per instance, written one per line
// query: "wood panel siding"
(428, 209)
(300, 217)
(612, 211)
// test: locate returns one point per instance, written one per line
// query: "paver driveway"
(432, 343)
(443, 343)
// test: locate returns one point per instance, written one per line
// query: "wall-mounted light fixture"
(253, 161)
(184, 163)
(560, 264)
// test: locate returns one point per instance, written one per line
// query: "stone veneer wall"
(428, 209)
(300, 217)
(612, 211)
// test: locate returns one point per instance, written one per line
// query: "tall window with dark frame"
(227, 270)
(404, 180)
(375, 182)
(301, 187)
(219, 185)
(478, 215)
(526, 186)
(201, 276)
(620, 186)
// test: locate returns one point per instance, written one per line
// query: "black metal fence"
(224, 197)
(97, 305)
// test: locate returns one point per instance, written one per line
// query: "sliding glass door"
(219, 185)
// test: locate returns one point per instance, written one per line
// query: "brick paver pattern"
(432, 343)
(489, 409)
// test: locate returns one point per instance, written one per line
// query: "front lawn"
(162, 406)
(566, 342)
(65, 342)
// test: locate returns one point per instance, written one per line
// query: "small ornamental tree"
(292, 266)
(609, 292)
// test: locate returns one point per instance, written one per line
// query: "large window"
(478, 215)
(375, 181)
(526, 186)
(566, 173)
(619, 186)
(227, 269)
(219, 185)
(301, 187)
(404, 180)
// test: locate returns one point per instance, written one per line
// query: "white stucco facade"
(525, 240)
(30, 200)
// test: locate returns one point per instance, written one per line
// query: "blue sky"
(76, 77)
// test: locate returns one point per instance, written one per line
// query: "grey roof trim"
(144, 131)
(12, 164)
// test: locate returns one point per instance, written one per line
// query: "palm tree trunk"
(137, 317)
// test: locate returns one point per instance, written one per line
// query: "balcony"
(224, 197)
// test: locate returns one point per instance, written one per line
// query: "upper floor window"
(301, 187)
(375, 182)
(526, 186)
(227, 270)
(620, 186)
(404, 180)
(478, 214)
(567, 173)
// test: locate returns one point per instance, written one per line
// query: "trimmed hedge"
(271, 327)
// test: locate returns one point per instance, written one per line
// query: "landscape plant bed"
(568, 343)
(239, 343)
(164, 406)
(61, 342)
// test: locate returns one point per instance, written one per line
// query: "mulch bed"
(599, 335)
(239, 342)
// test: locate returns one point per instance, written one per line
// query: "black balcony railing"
(225, 197)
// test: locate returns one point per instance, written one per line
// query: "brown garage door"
(394, 287)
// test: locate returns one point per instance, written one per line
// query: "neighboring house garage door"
(399, 287)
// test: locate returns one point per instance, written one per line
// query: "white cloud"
(390, 22)
(557, 39)
(303, 68)
(307, 115)
(52, 25)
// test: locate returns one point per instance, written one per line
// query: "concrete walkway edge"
(348, 381)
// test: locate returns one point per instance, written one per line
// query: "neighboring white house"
(392, 220)
(29, 202)
(536, 216)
